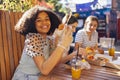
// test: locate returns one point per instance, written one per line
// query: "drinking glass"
(75, 68)
(111, 51)
(76, 72)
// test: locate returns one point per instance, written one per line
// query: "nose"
(92, 26)
(43, 21)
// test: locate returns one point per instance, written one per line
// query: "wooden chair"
(11, 44)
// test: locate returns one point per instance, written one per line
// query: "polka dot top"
(35, 45)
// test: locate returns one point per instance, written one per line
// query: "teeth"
(44, 26)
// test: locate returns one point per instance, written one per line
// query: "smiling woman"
(30, 16)
(88, 36)
(39, 55)
(42, 23)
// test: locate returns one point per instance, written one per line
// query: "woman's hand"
(58, 33)
(82, 52)
(66, 37)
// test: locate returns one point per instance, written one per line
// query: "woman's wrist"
(60, 45)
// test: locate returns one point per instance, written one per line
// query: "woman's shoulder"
(34, 38)
(34, 44)
(32, 35)
(81, 31)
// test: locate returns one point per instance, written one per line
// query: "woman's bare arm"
(68, 57)
(45, 66)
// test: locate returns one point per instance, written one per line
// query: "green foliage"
(23, 5)
(17, 5)
(0, 6)
(57, 6)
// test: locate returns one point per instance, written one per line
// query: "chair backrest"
(106, 42)
(11, 44)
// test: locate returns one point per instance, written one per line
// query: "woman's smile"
(43, 22)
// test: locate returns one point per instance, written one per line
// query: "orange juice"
(111, 51)
(76, 73)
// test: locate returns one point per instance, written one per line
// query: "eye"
(47, 19)
(95, 26)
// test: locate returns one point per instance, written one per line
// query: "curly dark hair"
(26, 24)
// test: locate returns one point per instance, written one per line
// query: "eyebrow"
(40, 17)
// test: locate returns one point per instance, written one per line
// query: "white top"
(82, 38)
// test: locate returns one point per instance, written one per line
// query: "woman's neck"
(44, 35)
(89, 35)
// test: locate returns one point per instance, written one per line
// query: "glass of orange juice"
(75, 68)
(111, 51)
(76, 72)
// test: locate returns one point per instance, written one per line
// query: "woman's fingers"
(67, 38)
(67, 30)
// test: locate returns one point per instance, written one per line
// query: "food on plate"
(90, 53)
(103, 59)
(90, 50)
(101, 51)
(90, 57)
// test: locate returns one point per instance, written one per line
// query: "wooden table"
(95, 73)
